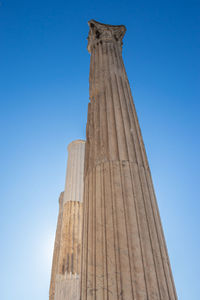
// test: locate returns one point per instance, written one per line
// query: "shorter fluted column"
(67, 279)
(54, 269)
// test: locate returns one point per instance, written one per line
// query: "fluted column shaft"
(69, 256)
(124, 251)
(56, 251)
(66, 279)
(75, 169)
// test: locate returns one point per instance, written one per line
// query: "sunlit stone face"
(65, 279)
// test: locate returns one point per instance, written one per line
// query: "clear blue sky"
(44, 69)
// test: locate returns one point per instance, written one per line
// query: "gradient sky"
(44, 70)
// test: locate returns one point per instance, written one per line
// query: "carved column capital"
(104, 33)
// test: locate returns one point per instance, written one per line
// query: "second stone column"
(67, 281)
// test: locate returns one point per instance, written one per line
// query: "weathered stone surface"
(124, 251)
(65, 278)
(56, 252)
(70, 240)
(67, 287)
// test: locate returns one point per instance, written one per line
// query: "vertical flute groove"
(123, 113)
(126, 223)
(114, 230)
(112, 128)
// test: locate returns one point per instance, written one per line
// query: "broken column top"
(103, 32)
(75, 142)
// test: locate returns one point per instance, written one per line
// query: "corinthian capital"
(103, 32)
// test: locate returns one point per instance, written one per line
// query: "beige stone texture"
(75, 169)
(56, 251)
(124, 252)
(67, 287)
(70, 240)
(65, 279)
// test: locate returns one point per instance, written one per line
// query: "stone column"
(56, 251)
(124, 252)
(68, 260)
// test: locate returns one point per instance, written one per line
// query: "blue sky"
(44, 70)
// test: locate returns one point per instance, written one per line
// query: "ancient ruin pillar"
(65, 281)
(124, 251)
(56, 251)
